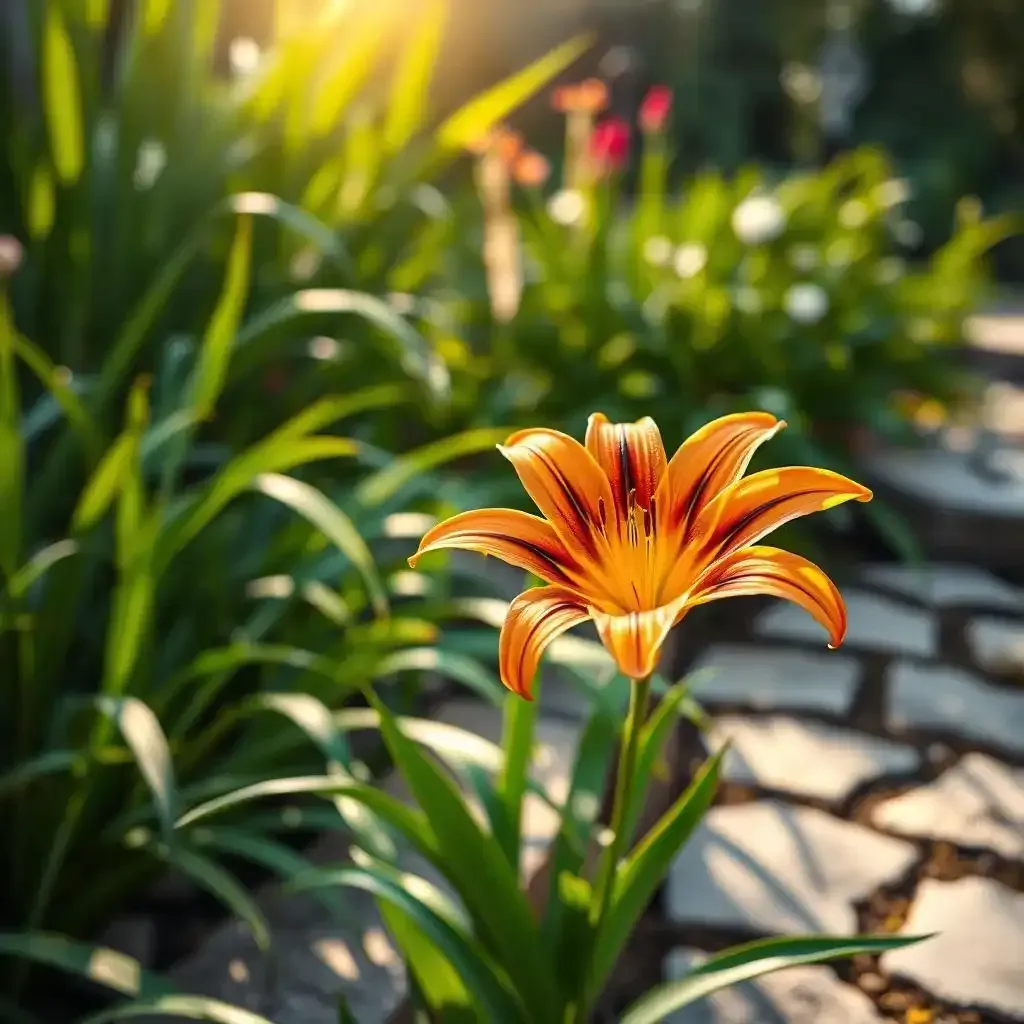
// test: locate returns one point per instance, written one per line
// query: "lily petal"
(707, 462)
(635, 640)
(535, 618)
(777, 573)
(518, 538)
(752, 507)
(565, 482)
(632, 456)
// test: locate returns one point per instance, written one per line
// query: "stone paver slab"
(771, 867)
(979, 802)
(997, 645)
(800, 995)
(875, 622)
(976, 955)
(947, 479)
(765, 678)
(945, 584)
(951, 700)
(806, 758)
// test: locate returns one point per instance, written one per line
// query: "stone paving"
(848, 773)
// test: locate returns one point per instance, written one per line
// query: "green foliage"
(199, 566)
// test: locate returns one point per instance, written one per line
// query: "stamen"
(602, 511)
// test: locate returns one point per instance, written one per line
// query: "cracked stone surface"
(800, 995)
(997, 645)
(979, 802)
(771, 867)
(875, 622)
(954, 701)
(944, 585)
(807, 758)
(766, 678)
(947, 479)
(974, 958)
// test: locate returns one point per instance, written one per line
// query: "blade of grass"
(754, 960)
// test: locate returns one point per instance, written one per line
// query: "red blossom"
(655, 109)
(609, 144)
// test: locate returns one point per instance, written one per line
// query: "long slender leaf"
(99, 964)
(185, 1007)
(754, 960)
(471, 122)
(314, 506)
(411, 83)
(148, 744)
(276, 857)
(386, 483)
(476, 866)
(62, 98)
(221, 884)
(644, 869)
(12, 456)
(429, 910)
(215, 354)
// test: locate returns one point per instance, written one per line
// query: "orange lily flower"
(634, 540)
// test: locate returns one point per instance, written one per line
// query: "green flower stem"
(638, 696)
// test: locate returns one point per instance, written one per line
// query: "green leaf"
(452, 665)
(61, 99)
(411, 84)
(365, 38)
(645, 868)
(315, 720)
(186, 1007)
(270, 456)
(517, 743)
(383, 485)
(414, 354)
(50, 763)
(274, 856)
(57, 381)
(411, 823)
(438, 984)
(470, 123)
(209, 875)
(98, 964)
(103, 485)
(12, 454)
(316, 508)
(41, 203)
(432, 913)
(474, 863)
(148, 744)
(675, 702)
(752, 961)
(215, 354)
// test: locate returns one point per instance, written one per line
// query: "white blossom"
(805, 303)
(658, 250)
(244, 56)
(758, 220)
(150, 161)
(690, 259)
(566, 207)
(893, 192)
